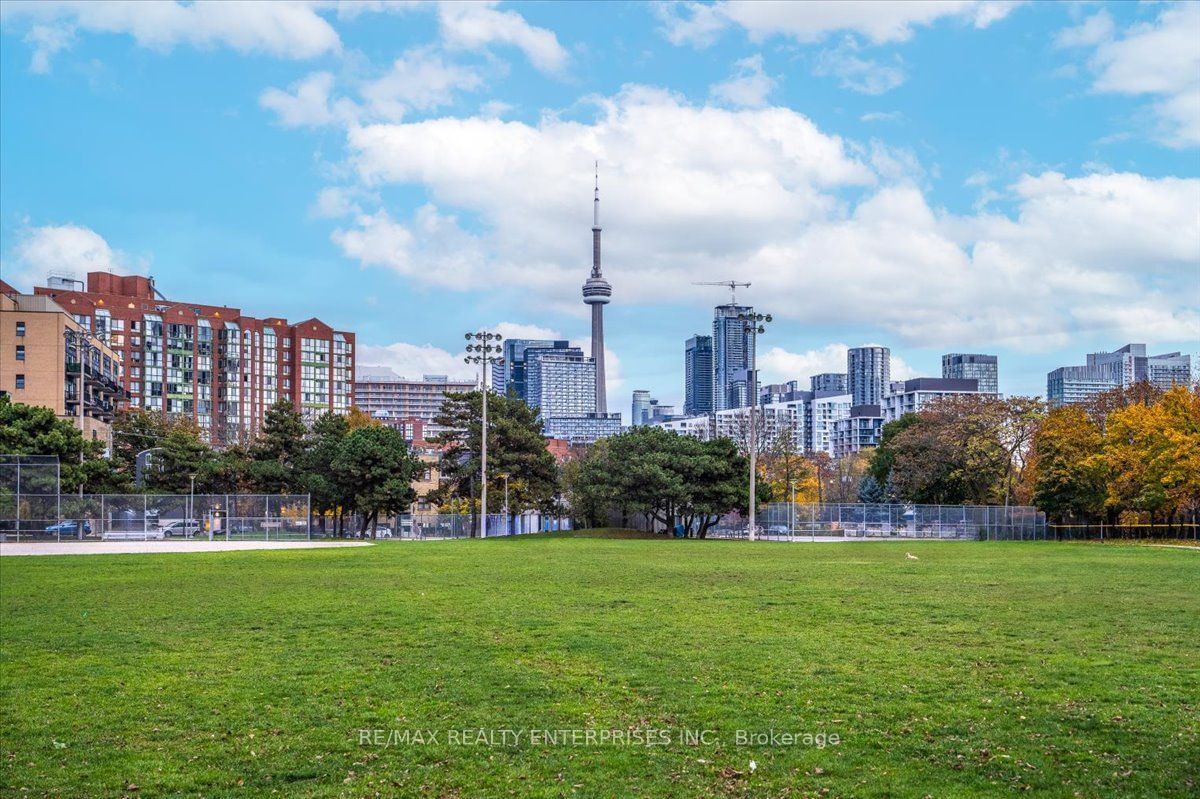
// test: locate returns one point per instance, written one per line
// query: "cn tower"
(597, 292)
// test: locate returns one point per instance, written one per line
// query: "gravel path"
(159, 547)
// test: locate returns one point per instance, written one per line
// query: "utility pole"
(488, 347)
(753, 324)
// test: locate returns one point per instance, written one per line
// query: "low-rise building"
(49, 359)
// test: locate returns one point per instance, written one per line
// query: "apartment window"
(20, 381)
(20, 328)
(20, 352)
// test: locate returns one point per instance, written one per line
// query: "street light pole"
(488, 347)
(753, 323)
(79, 338)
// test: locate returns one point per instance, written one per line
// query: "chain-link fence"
(786, 522)
(432, 526)
(29, 490)
(146, 517)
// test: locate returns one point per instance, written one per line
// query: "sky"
(1021, 179)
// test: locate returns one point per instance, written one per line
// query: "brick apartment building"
(210, 363)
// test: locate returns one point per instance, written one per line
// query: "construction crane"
(732, 285)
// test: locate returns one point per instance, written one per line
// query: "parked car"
(69, 527)
(180, 527)
(777, 529)
(383, 531)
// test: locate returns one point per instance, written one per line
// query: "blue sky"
(1019, 179)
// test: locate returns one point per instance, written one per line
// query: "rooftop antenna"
(732, 285)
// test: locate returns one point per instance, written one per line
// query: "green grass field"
(980, 669)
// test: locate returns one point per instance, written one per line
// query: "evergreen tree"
(516, 447)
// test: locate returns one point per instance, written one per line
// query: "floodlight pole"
(752, 323)
(488, 347)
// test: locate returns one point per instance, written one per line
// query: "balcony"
(97, 379)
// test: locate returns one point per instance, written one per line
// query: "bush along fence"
(1103, 531)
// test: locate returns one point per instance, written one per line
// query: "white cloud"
(747, 87)
(877, 20)
(414, 360)
(1092, 31)
(494, 109)
(336, 202)
(282, 29)
(856, 73)
(71, 250)
(309, 103)
(476, 25)
(660, 174)
(779, 365)
(419, 79)
(47, 40)
(432, 248)
(692, 193)
(521, 330)
(881, 116)
(1159, 59)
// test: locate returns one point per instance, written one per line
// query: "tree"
(327, 494)
(970, 448)
(135, 430)
(1136, 455)
(182, 454)
(1101, 406)
(783, 465)
(883, 458)
(1180, 469)
(1068, 478)
(33, 430)
(357, 418)
(870, 491)
(847, 474)
(663, 475)
(276, 453)
(516, 447)
(374, 466)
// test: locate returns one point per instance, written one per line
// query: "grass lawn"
(979, 669)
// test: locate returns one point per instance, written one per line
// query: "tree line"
(349, 465)
(1127, 455)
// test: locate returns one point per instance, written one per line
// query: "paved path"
(160, 547)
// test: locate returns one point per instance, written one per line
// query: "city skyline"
(329, 176)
